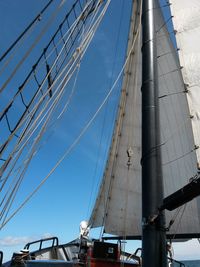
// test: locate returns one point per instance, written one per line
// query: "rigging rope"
(44, 95)
(36, 19)
(180, 218)
(94, 188)
(32, 46)
(19, 91)
(84, 14)
(79, 54)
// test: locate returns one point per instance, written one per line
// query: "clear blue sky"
(66, 198)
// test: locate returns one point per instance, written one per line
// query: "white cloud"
(13, 241)
(10, 241)
(187, 250)
(10, 244)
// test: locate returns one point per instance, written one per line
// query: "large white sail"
(118, 205)
(187, 27)
(118, 192)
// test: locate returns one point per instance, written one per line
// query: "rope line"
(76, 63)
(36, 19)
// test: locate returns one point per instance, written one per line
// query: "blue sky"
(67, 196)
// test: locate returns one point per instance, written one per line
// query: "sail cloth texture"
(118, 205)
(186, 20)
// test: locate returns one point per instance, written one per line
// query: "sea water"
(194, 263)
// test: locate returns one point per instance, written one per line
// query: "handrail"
(132, 256)
(137, 250)
(41, 241)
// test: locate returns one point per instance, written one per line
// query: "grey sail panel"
(187, 26)
(118, 205)
(178, 148)
(115, 205)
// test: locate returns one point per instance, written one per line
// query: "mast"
(153, 234)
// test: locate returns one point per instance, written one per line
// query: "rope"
(58, 88)
(48, 112)
(93, 187)
(180, 218)
(43, 83)
(88, 39)
(74, 143)
(32, 46)
(36, 19)
(30, 134)
(21, 120)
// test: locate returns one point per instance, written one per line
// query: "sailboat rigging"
(150, 185)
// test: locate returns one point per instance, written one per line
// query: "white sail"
(187, 26)
(118, 205)
(124, 206)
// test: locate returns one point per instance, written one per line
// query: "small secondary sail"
(118, 205)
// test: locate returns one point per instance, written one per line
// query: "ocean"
(195, 263)
(192, 263)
